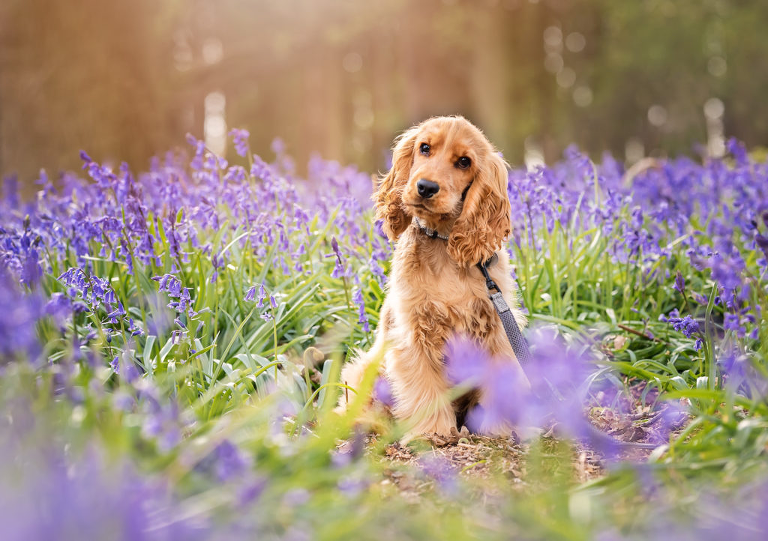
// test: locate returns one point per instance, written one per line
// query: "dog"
(444, 203)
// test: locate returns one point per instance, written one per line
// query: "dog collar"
(431, 233)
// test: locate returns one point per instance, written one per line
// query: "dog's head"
(447, 174)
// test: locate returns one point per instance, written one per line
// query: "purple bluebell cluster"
(20, 312)
(50, 491)
(268, 314)
(160, 217)
(86, 293)
(686, 325)
(550, 391)
(155, 222)
(711, 217)
(240, 139)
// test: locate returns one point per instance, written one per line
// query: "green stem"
(274, 335)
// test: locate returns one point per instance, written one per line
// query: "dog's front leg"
(421, 392)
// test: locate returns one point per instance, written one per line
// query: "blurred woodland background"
(126, 79)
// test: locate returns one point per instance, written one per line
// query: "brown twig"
(638, 333)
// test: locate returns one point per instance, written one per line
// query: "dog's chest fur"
(433, 297)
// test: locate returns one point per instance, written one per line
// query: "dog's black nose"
(427, 188)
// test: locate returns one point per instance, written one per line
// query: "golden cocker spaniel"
(445, 203)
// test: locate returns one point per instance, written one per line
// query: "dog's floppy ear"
(389, 196)
(484, 222)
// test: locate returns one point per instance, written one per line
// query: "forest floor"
(480, 457)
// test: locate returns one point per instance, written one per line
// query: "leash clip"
(497, 298)
(489, 283)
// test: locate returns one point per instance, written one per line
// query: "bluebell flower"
(17, 320)
(732, 322)
(352, 486)
(251, 491)
(439, 469)
(338, 270)
(357, 297)
(197, 162)
(679, 282)
(278, 146)
(687, 325)
(250, 294)
(31, 271)
(738, 151)
(260, 169)
(240, 138)
(382, 392)
(262, 296)
(762, 242)
(230, 461)
(85, 157)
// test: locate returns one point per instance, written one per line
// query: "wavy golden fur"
(448, 176)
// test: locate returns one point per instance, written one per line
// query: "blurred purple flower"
(251, 491)
(732, 322)
(439, 469)
(53, 494)
(17, 321)
(85, 157)
(296, 497)
(382, 392)
(31, 271)
(260, 169)
(738, 151)
(350, 450)
(357, 297)
(679, 282)
(555, 375)
(762, 243)
(352, 486)
(240, 138)
(278, 146)
(229, 461)
(740, 375)
(197, 162)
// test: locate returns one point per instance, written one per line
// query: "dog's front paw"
(454, 438)
(440, 425)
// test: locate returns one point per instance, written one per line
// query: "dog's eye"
(463, 162)
(424, 149)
